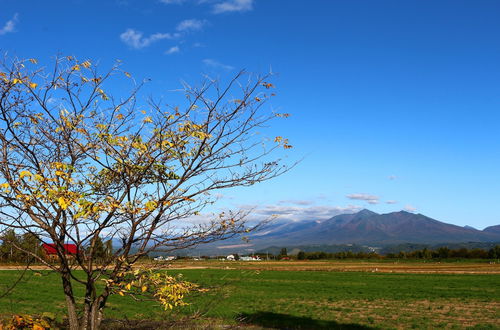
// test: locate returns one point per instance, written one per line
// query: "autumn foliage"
(79, 164)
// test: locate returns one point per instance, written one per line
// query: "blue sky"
(395, 104)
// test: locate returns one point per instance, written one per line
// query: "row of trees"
(447, 253)
(441, 253)
(21, 248)
(27, 242)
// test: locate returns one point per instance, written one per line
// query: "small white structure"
(161, 258)
(230, 257)
(250, 258)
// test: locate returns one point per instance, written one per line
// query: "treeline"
(13, 245)
(438, 254)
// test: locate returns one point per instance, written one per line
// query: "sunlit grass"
(271, 298)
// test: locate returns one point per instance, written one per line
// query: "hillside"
(362, 228)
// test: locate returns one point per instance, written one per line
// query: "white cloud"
(392, 177)
(191, 25)
(410, 208)
(233, 6)
(218, 6)
(370, 199)
(391, 202)
(172, 2)
(298, 213)
(258, 213)
(10, 25)
(135, 39)
(214, 64)
(173, 50)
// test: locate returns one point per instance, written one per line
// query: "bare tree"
(78, 165)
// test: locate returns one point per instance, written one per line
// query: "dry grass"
(410, 267)
(347, 266)
(439, 313)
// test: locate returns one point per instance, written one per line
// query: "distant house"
(250, 258)
(50, 250)
(231, 257)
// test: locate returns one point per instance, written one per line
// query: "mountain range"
(362, 228)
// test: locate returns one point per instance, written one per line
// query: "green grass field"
(298, 299)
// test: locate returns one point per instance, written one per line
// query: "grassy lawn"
(306, 299)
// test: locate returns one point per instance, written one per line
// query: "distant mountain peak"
(366, 212)
(369, 228)
(492, 229)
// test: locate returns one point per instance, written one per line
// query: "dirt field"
(347, 266)
(333, 266)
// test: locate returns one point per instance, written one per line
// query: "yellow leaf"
(5, 186)
(86, 64)
(128, 286)
(148, 120)
(16, 81)
(25, 173)
(127, 74)
(76, 67)
(120, 293)
(33, 85)
(151, 205)
(63, 203)
(144, 288)
(33, 60)
(119, 116)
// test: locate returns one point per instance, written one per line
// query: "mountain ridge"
(362, 228)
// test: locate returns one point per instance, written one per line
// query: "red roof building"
(50, 249)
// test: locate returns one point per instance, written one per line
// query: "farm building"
(50, 251)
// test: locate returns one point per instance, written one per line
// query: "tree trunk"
(96, 315)
(94, 305)
(70, 302)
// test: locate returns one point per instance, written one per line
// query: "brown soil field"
(332, 266)
(349, 266)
